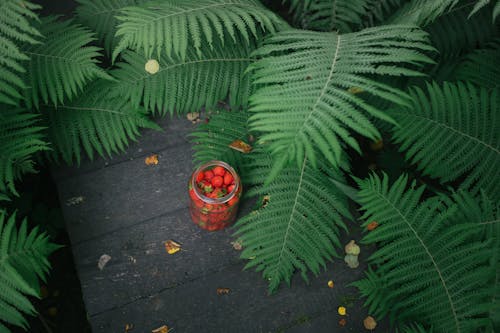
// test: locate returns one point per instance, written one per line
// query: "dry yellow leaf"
(223, 291)
(370, 323)
(241, 146)
(128, 327)
(331, 284)
(172, 247)
(163, 329)
(151, 159)
(342, 311)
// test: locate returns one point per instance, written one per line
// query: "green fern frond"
(307, 84)
(169, 27)
(378, 11)
(414, 328)
(454, 34)
(92, 122)
(15, 28)
(23, 260)
(422, 12)
(451, 131)
(480, 4)
(430, 265)
(299, 227)
(4, 197)
(481, 66)
(61, 66)
(99, 15)
(211, 140)
(21, 136)
(186, 85)
(338, 15)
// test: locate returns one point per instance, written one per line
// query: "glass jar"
(214, 191)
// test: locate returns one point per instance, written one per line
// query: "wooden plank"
(174, 132)
(140, 265)
(195, 306)
(108, 199)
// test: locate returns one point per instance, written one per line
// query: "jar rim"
(223, 199)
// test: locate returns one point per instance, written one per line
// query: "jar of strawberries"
(214, 191)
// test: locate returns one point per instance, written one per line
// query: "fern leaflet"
(431, 266)
(61, 66)
(211, 140)
(168, 27)
(185, 85)
(23, 259)
(99, 15)
(305, 80)
(481, 66)
(299, 227)
(92, 122)
(21, 136)
(15, 29)
(451, 131)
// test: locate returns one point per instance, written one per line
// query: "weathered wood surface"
(127, 210)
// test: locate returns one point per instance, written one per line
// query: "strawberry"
(219, 171)
(217, 181)
(218, 192)
(230, 188)
(209, 174)
(228, 178)
(200, 176)
(233, 201)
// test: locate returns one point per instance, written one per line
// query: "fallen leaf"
(241, 146)
(74, 201)
(163, 329)
(372, 225)
(193, 117)
(352, 248)
(223, 291)
(128, 327)
(103, 260)
(265, 200)
(342, 311)
(355, 90)
(342, 322)
(370, 323)
(237, 245)
(331, 284)
(172, 247)
(151, 159)
(351, 260)
(152, 66)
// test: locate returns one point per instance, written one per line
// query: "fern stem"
(451, 129)
(325, 87)
(490, 222)
(291, 215)
(60, 58)
(452, 305)
(86, 109)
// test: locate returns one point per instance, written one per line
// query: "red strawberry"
(217, 181)
(233, 201)
(218, 192)
(230, 188)
(228, 178)
(209, 174)
(200, 177)
(219, 171)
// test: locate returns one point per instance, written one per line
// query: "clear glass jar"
(213, 205)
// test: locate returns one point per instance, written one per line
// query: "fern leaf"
(481, 66)
(414, 328)
(17, 248)
(99, 15)
(304, 81)
(298, 228)
(422, 12)
(15, 29)
(211, 140)
(430, 264)
(451, 131)
(61, 66)
(480, 4)
(92, 122)
(168, 27)
(185, 85)
(21, 136)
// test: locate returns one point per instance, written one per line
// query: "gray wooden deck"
(127, 209)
